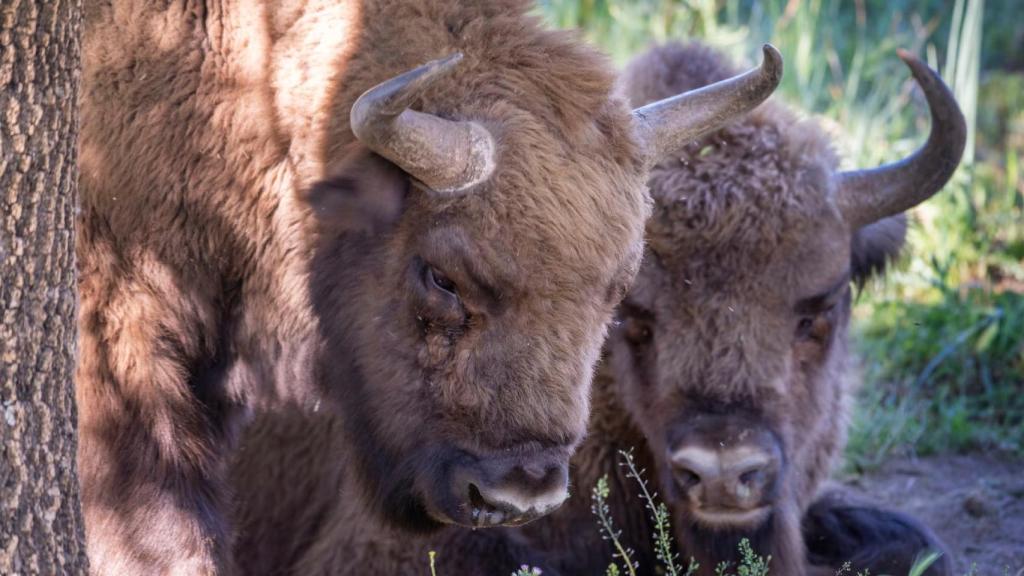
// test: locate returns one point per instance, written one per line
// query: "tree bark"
(41, 530)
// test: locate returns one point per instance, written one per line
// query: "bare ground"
(974, 503)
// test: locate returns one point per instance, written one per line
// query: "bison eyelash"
(436, 279)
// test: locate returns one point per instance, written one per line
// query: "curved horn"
(446, 155)
(865, 196)
(666, 125)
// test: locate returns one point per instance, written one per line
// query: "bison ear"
(876, 245)
(362, 193)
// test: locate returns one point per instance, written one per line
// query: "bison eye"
(817, 327)
(686, 479)
(636, 331)
(436, 279)
(437, 301)
(804, 327)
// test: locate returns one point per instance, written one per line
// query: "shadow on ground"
(975, 503)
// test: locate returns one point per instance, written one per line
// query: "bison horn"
(866, 196)
(445, 155)
(666, 125)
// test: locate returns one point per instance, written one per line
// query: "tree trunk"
(41, 529)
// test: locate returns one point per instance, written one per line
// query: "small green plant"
(845, 569)
(922, 563)
(751, 563)
(659, 515)
(599, 497)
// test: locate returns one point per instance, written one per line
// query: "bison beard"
(389, 479)
(709, 547)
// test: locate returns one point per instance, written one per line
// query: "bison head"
(470, 255)
(731, 349)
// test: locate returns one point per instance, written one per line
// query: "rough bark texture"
(41, 530)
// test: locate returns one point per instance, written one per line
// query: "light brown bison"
(728, 372)
(281, 206)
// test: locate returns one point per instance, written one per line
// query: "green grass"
(941, 376)
(941, 337)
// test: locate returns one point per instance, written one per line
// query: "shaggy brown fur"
(320, 526)
(735, 332)
(446, 329)
(724, 324)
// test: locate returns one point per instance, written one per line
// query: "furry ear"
(362, 193)
(876, 245)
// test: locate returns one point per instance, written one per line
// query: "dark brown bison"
(732, 350)
(728, 371)
(282, 207)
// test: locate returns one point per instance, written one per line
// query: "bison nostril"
(535, 472)
(476, 499)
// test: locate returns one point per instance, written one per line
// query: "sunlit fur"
(210, 290)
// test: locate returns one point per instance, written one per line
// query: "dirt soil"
(974, 503)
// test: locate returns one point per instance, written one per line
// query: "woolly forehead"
(759, 187)
(566, 202)
(558, 214)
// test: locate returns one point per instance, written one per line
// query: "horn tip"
(772, 63)
(921, 71)
(912, 61)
